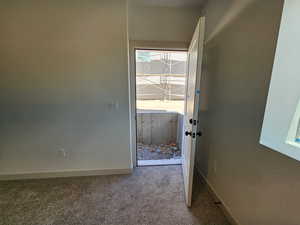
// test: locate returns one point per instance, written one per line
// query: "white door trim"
(150, 45)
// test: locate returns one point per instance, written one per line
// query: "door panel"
(191, 108)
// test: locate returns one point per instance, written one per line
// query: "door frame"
(143, 45)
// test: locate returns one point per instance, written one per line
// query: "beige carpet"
(151, 195)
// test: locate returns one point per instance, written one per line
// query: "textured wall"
(258, 185)
(162, 23)
(64, 92)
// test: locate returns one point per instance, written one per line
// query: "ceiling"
(169, 3)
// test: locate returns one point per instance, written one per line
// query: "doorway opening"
(160, 99)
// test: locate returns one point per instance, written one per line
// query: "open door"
(191, 108)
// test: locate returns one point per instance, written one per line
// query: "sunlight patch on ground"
(169, 106)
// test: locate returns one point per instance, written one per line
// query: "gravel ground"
(153, 152)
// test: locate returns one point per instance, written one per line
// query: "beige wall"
(64, 90)
(162, 23)
(257, 184)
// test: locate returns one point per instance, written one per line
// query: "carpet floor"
(151, 195)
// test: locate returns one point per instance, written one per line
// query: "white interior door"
(191, 108)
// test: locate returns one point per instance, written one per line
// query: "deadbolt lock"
(194, 122)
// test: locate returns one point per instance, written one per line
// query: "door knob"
(187, 133)
(199, 133)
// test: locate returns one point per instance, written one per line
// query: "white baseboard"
(222, 206)
(64, 173)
